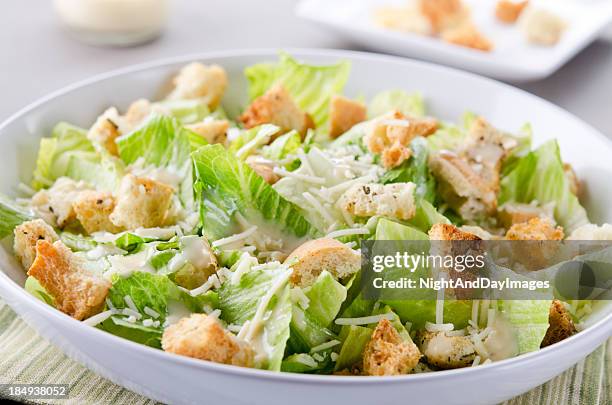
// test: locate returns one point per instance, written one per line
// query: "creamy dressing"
(501, 343)
(126, 265)
(176, 311)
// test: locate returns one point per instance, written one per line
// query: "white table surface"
(38, 56)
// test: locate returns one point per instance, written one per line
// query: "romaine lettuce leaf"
(325, 296)
(104, 171)
(539, 176)
(186, 111)
(311, 87)
(408, 104)
(354, 340)
(415, 170)
(283, 146)
(261, 298)
(144, 289)
(11, 216)
(226, 185)
(530, 319)
(33, 287)
(252, 139)
(56, 152)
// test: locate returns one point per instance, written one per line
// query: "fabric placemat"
(26, 358)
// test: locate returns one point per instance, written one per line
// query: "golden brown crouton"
(344, 114)
(516, 213)
(469, 36)
(313, 257)
(105, 130)
(141, 202)
(561, 324)
(93, 209)
(367, 200)
(27, 235)
(55, 204)
(136, 114)
(446, 352)
(276, 107)
(198, 81)
(508, 11)
(444, 14)
(202, 337)
(263, 168)
(535, 229)
(450, 232)
(403, 18)
(387, 354)
(76, 292)
(214, 131)
(462, 187)
(391, 134)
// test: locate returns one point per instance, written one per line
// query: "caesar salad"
(236, 239)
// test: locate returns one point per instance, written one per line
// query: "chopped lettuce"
(11, 216)
(56, 153)
(33, 287)
(186, 111)
(227, 186)
(415, 170)
(539, 176)
(311, 87)
(283, 146)
(252, 139)
(77, 242)
(408, 104)
(103, 171)
(259, 301)
(530, 319)
(325, 296)
(145, 290)
(354, 340)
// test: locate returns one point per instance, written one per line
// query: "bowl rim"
(10, 286)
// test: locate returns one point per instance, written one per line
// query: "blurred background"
(43, 51)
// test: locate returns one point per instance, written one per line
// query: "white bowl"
(181, 380)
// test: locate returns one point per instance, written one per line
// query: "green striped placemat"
(25, 358)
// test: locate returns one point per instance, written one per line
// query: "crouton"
(76, 292)
(136, 113)
(263, 168)
(141, 202)
(202, 337)
(561, 325)
(391, 134)
(462, 187)
(450, 232)
(93, 209)
(387, 354)
(444, 14)
(395, 155)
(344, 114)
(105, 130)
(542, 27)
(571, 176)
(313, 257)
(214, 131)
(467, 35)
(404, 19)
(277, 107)
(535, 229)
(392, 200)
(516, 213)
(26, 236)
(55, 204)
(508, 11)
(446, 352)
(198, 81)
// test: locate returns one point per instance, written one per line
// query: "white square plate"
(512, 58)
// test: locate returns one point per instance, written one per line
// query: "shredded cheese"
(98, 318)
(365, 320)
(234, 238)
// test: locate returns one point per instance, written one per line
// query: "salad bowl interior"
(448, 94)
